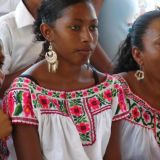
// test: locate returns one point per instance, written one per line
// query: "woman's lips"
(85, 51)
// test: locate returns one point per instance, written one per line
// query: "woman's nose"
(86, 35)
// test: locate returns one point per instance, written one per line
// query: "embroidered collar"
(81, 105)
(141, 112)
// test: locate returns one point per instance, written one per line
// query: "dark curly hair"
(49, 12)
(125, 61)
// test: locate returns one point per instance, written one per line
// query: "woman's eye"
(75, 28)
(93, 27)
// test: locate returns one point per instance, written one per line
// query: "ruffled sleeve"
(17, 103)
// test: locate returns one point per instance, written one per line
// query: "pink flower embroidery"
(83, 128)
(39, 88)
(85, 93)
(63, 95)
(11, 103)
(27, 80)
(95, 89)
(44, 101)
(135, 113)
(33, 96)
(28, 110)
(116, 86)
(106, 84)
(146, 116)
(94, 103)
(108, 95)
(50, 93)
(76, 111)
(73, 94)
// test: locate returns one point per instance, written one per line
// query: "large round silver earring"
(51, 58)
(139, 74)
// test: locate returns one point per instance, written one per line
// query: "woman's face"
(75, 34)
(151, 52)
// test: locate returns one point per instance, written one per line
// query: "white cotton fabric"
(138, 143)
(66, 139)
(18, 39)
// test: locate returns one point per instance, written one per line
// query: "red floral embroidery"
(73, 104)
(146, 117)
(85, 93)
(73, 95)
(95, 89)
(135, 113)
(94, 103)
(116, 86)
(83, 127)
(11, 103)
(62, 95)
(39, 88)
(50, 93)
(27, 80)
(108, 95)
(76, 111)
(44, 101)
(28, 110)
(33, 96)
(106, 84)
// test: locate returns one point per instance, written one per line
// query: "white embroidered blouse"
(76, 124)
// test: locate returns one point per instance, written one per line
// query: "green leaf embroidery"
(18, 109)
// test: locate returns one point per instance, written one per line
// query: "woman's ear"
(137, 55)
(47, 32)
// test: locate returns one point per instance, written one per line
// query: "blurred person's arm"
(8, 80)
(101, 61)
(5, 125)
(1, 78)
(98, 5)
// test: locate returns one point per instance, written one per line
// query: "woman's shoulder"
(36, 69)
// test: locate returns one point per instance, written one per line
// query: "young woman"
(139, 66)
(62, 108)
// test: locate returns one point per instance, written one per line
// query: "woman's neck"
(148, 88)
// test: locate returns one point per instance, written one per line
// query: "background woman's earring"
(51, 58)
(139, 75)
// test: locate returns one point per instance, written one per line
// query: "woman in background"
(138, 67)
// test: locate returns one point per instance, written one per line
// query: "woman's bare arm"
(113, 149)
(26, 142)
